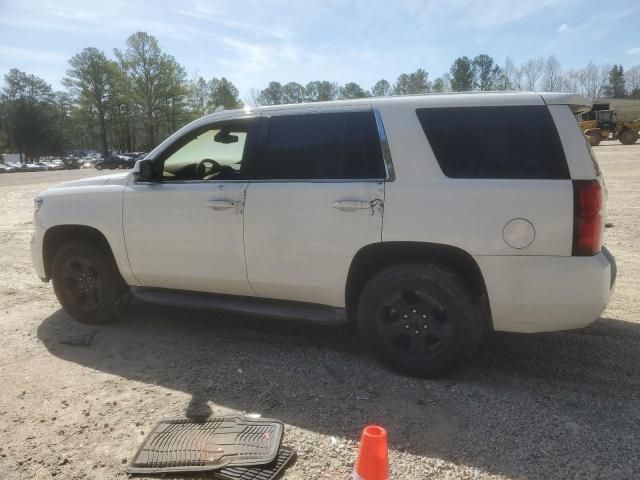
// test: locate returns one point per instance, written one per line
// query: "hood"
(114, 179)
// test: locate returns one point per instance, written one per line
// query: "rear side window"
(343, 145)
(519, 142)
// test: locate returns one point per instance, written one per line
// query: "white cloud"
(25, 54)
(493, 13)
(634, 51)
(248, 57)
(563, 28)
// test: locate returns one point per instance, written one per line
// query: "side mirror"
(143, 171)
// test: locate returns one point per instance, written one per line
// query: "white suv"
(427, 220)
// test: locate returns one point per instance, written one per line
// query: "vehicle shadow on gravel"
(535, 406)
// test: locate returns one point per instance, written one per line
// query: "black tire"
(98, 167)
(629, 137)
(86, 282)
(444, 322)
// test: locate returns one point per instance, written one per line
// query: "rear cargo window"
(515, 142)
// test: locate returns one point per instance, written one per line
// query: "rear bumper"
(531, 294)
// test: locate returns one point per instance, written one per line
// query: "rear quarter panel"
(422, 204)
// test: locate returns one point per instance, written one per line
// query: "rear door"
(316, 197)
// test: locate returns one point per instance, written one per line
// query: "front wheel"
(629, 137)
(86, 282)
(98, 167)
(420, 320)
(594, 140)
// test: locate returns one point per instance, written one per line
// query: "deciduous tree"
(146, 67)
(272, 95)
(293, 92)
(412, 83)
(382, 88)
(223, 93)
(28, 102)
(632, 79)
(531, 71)
(353, 90)
(593, 79)
(91, 81)
(552, 75)
(321, 91)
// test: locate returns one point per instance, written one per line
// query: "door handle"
(351, 205)
(221, 204)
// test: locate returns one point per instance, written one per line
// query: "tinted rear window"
(519, 142)
(341, 145)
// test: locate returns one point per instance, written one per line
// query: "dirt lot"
(563, 405)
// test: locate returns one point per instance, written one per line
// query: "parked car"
(19, 167)
(114, 161)
(39, 166)
(493, 208)
(72, 163)
(135, 155)
(55, 164)
(6, 168)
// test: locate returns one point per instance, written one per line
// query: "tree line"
(480, 73)
(135, 99)
(129, 103)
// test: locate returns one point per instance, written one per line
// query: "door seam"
(244, 240)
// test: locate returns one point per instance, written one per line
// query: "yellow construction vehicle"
(603, 125)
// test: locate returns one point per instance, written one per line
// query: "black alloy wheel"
(82, 283)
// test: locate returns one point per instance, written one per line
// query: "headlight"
(37, 203)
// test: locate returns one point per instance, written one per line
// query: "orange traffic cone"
(373, 459)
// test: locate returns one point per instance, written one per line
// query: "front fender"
(97, 207)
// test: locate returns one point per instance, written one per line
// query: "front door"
(315, 198)
(186, 231)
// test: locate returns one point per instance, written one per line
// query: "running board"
(261, 307)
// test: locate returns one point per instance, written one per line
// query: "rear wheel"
(98, 167)
(629, 137)
(420, 320)
(86, 282)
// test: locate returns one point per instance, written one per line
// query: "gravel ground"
(76, 401)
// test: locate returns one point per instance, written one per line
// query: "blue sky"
(253, 42)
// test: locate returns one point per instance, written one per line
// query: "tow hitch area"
(232, 446)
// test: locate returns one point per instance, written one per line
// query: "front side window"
(212, 153)
(513, 142)
(342, 145)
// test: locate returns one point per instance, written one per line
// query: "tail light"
(587, 220)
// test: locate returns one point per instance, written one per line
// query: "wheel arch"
(374, 257)
(58, 235)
